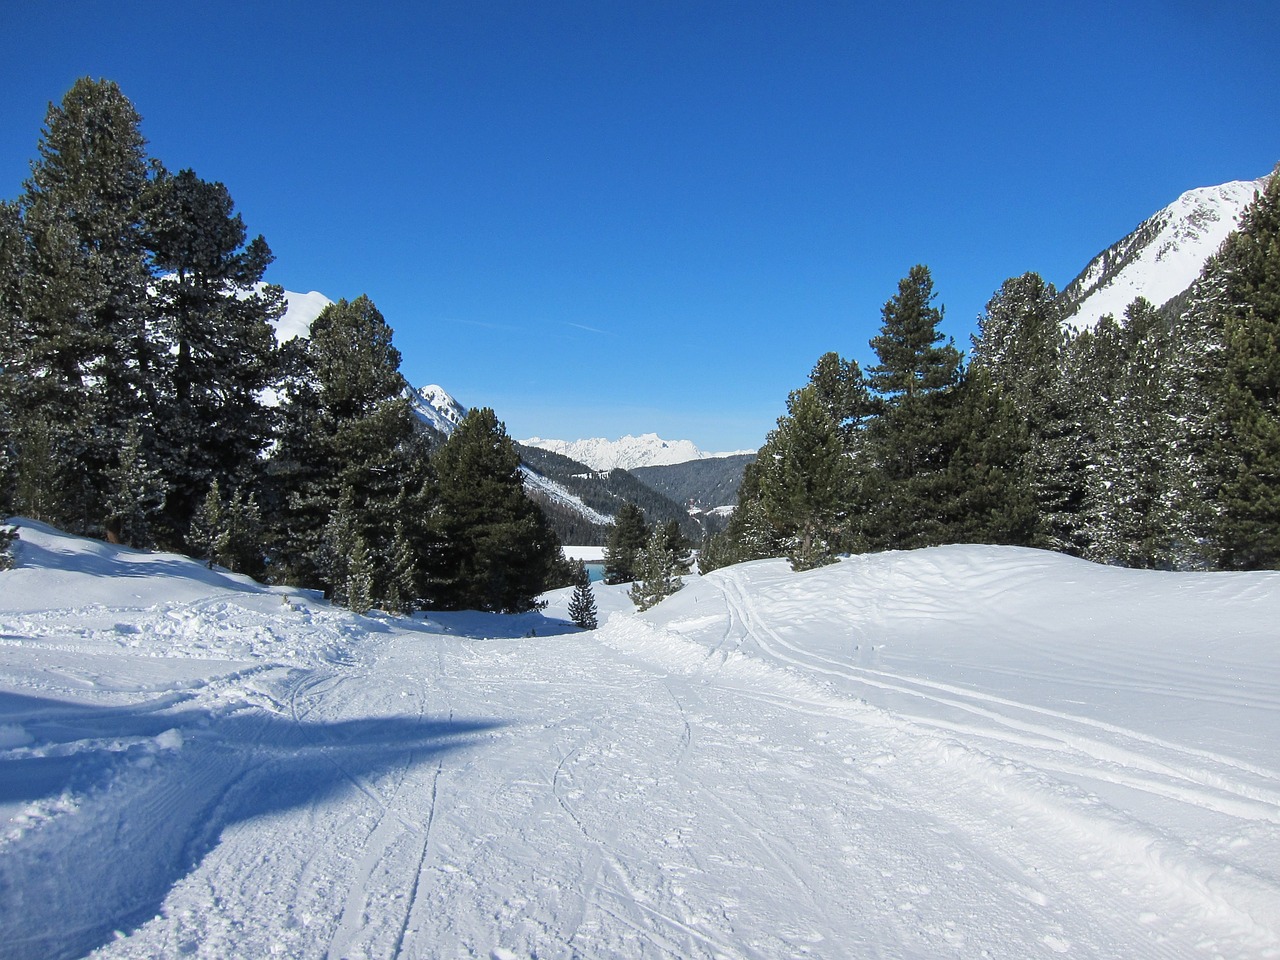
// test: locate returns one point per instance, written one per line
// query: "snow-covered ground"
(957, 752)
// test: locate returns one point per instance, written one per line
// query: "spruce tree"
(349, 441)
(1248, 530)
(582, 605)
(657, 572)
(627, 537)
(806, 482)
(7, 536)
(907, 479)
(989, 474)
(213, 317)
(495, 550)
(135, 493)
(1133, 488)
(1019, 351)
(88, 357)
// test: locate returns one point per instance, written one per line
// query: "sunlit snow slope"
(960, 752)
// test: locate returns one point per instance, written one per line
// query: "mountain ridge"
(1161, 257)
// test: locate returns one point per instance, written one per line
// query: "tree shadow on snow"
(143, 793)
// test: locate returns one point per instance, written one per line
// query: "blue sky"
(615, 217)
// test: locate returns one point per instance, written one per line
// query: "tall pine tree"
(213, 316)
(1248, 530)
(907, 479)
(348, 431)
(494, 548)
(87, 360)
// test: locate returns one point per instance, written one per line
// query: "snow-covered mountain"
(1162, 257)
(436, 408)
(646, 450)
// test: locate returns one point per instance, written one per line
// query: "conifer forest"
(145, 400)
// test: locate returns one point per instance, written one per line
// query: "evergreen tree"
(229, 531)
(135, 494)
(627, 538)
(906, 479)
(678, 545)
(1132, 489)
(495, 549)
(403, 592)
(582, 605)
(805, 482)
(7, 536)
(349, 441)
(842, 391)
(214, 321)
(657, 574)
(86, 358)
(1248, 265)
(1019, 351)
(359, 590)
(989, 473)
(13, 276)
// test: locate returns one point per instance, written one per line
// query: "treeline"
(1151, 440)
(144, 399)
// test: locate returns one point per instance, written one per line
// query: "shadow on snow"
(153, 789)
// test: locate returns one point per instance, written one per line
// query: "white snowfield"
(959, 752)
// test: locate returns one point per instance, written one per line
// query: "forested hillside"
(604, 491)
(144, 399)
(707, 483)
(1150, 440)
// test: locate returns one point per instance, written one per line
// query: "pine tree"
(657, 575)
(360, 572)
(495, 549)
(214, 321)
(13, 276)
(1133, 489)
(135, 493)
(989, 474)
(87, 359)
(806, 482)
(582, 605)
(906, 481)
(627, 537)
(7, 536)
(1249, 446)
(348, 434)
(403, 591)
(1019, 350)
(678, 545)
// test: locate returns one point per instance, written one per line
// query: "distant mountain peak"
(1162, 257)
(435, 407)
(626, 453)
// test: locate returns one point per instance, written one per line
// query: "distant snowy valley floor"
(958, 752)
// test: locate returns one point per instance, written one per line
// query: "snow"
(435, 407)
(300, 310)
(1185, 234)
(958, 752)
(627, 453)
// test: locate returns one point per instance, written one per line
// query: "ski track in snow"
(968, 752)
